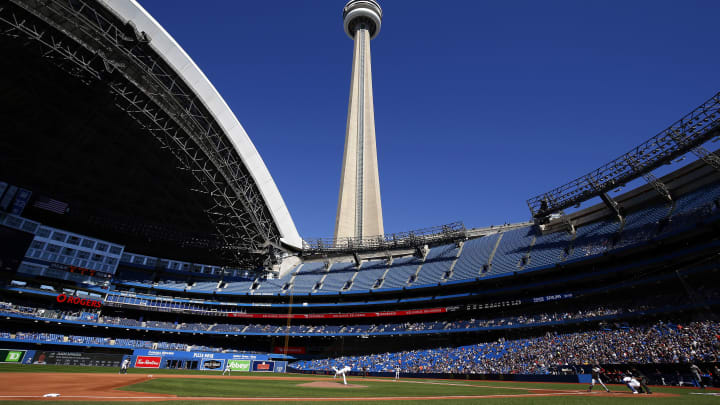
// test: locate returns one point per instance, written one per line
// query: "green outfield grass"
(384, 388)
(290, 389)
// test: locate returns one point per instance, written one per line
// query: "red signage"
(148, 361)
(70, 299)
(341, 316)
(290, 349)
(264, 366)
(73, 269)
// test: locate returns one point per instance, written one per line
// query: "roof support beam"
(659, 186)
(613, 205)
(650, 178)
(88, 42)
(708, 157)
(689, 132)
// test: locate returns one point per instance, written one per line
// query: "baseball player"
(397, 372)
(227, 368)
(695, 370)
(642, 379)
(632, 383)
(596, 370)
(124, 366)
(342, 372)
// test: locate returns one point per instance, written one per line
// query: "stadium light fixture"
(688, 133)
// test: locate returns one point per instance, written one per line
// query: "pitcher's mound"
(330, 384)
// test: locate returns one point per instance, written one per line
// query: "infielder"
(124, 366)
(596, 370)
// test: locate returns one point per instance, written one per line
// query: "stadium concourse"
(105, 271)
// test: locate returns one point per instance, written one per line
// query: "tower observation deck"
(359, 211)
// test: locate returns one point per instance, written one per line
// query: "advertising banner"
(11, 356)
(77, 359)
(290, 349)
(239, 365)
(212, 365)
(148, 361)
(70, 299)
(264, 366)
(424, 311)
(200, 356)
(28, 358)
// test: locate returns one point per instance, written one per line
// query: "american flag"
(49, 204)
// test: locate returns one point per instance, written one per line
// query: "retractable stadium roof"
(139, 107)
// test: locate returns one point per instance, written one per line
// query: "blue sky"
(478, 105)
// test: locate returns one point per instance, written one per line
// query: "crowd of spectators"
(367, 329)
(651, 344)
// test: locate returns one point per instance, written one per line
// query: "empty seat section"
(705, 200)
(642, 225)
(437, 262)
(594, 238)
(475, 254)
(549, 249)
(400, 272)
(239, 287)
(696, 199)
(513, 246)
(275, 285)
(204, 286)
(307, 277)
(171, 285)
(369, 273)
(340, 273)
(271, 285)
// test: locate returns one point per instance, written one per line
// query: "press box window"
(29, 227)
(43, 233)
(59, 236)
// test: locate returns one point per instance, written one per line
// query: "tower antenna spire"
(359, 211)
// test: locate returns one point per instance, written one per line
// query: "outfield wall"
(66, 358)
(148, 359)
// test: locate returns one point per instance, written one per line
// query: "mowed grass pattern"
(293, 389)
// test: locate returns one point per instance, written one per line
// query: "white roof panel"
(175, 56)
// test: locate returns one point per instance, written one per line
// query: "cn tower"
(359, 211)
